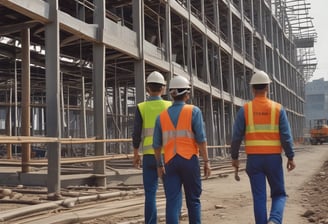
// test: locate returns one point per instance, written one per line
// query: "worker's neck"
(260, 94)
(155, 94)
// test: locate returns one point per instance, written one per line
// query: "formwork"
(72, 71)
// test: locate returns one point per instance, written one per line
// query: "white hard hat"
(179, 82)
(156, 77)
(260, 77)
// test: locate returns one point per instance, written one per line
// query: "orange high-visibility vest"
(262, 127)
(179, 140)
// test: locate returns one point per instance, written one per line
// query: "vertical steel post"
(26, 99)
(53, 118)
(99, 92)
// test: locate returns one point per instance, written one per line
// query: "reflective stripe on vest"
(262, 127)
(179, 140)
(149, 110)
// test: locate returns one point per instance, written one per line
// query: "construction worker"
(180, 130)
(142, 137)
(264, 126)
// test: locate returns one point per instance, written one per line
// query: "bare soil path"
(226, 201)
(306, 187)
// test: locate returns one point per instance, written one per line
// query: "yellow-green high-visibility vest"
(149, 111)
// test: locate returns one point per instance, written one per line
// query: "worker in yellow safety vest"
(264, 127)
(142, 138)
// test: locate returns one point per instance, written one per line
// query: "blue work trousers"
(259, 169)
(180, 171)
(150, 182)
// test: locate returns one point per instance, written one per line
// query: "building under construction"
(72, 71)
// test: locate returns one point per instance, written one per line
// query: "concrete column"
(243, 47)
(209, 119)
(221, 113)
(216, 16)
(231, 61)
(83, 120)
(139, 65)
(252, 31)
(190, 51)
(53, 119)
(168, 40)
(68, 119)
(99, 93)
(223, 123)
(202, 10)
(26, 98)
(9, 124)
(83, 116)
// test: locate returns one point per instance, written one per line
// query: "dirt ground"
(306, 186)
(227, 201)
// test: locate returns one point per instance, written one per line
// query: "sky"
(319, 12)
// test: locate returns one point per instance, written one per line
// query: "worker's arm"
(238, 134)
(157, 146)
(200, 137)
(136, 138)
(286, 139)
(136, 158)
(160, 162)
(203, 152)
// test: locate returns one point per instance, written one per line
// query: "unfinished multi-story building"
(74, 70)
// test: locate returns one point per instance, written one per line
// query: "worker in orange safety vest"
(263, 125)
(180, 130)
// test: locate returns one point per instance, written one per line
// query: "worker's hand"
(235, 163)
(136, 160)
(290, 165)
(160, 172)
(207, 169)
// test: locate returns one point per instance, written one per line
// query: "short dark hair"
(259, 86)
(155, 87)
(180, 97)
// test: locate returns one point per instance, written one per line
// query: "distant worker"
(180, 130)
(142, 137)
(264, 125)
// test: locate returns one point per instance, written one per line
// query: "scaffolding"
(300, 26)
